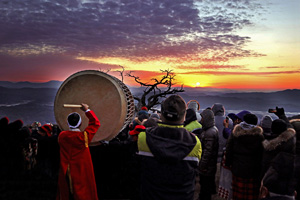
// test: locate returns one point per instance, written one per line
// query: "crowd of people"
(164, 155)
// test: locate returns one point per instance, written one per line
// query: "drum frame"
(125, 106)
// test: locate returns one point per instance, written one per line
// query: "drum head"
(102, 93)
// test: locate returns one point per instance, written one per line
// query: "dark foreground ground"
(46, 190)
(113, 172)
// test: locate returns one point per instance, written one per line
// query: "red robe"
(76, 162)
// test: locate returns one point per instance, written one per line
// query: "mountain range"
(34, 101)
(27, 84)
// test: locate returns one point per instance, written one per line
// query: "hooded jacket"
(219, 112)
(285, 142)
(169, 155)
(210, 143)
(296, 125)
(266, 123)
(195, 106)
(244, 150)
(191, 124)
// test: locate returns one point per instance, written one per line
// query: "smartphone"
(227, 119)
(272, 110)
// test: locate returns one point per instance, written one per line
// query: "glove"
(279, 111)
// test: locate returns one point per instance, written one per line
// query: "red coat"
(76, 162)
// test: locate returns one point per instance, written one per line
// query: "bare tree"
(153, 92)
(121, 73)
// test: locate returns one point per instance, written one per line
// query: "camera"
(271, 110)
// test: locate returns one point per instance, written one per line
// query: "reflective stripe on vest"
(188, 158)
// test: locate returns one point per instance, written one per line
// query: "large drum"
(106, 95)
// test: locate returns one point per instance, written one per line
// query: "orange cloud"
(241, 73)
(210, 66)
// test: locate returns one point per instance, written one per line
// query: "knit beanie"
(241, 114)
(144, 108)
(250, 119)
(142, 112)
(278, 126)
(232, 116)
(266, 123)
(154, 115)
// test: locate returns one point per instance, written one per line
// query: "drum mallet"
(72, 105)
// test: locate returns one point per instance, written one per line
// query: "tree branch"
(154, 88)
(121, 73)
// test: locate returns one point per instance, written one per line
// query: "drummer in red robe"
(76, 177)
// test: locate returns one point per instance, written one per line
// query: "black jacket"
(244, 151)
(165, 172)
(210, 144)
(296, 126)
(285, 142)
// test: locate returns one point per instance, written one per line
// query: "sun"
(197, 84)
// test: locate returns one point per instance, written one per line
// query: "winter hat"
(241, 114)
(154, 115)
(173, 108)
(278, 126)
(266, 123)
(142, 112)
(137, 129)
(190, 116)
(143, 116)
(280, 177)
(46, 129)
(4, 122)
(194, 105)
(232, 116)
(151, 122)
(15, 126)
(144, 108)
(250, 119)
(74, 120)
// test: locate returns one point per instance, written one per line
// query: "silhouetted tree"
(156, 90)
(121, 73)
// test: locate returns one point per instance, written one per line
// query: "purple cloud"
(151, 29)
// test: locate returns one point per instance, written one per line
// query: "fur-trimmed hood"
(239, 131)
(296, 124)
(294, 120)
(272, 144)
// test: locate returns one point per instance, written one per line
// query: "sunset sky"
(236, 44)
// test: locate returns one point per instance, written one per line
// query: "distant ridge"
(27, 84)
(27, 101)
